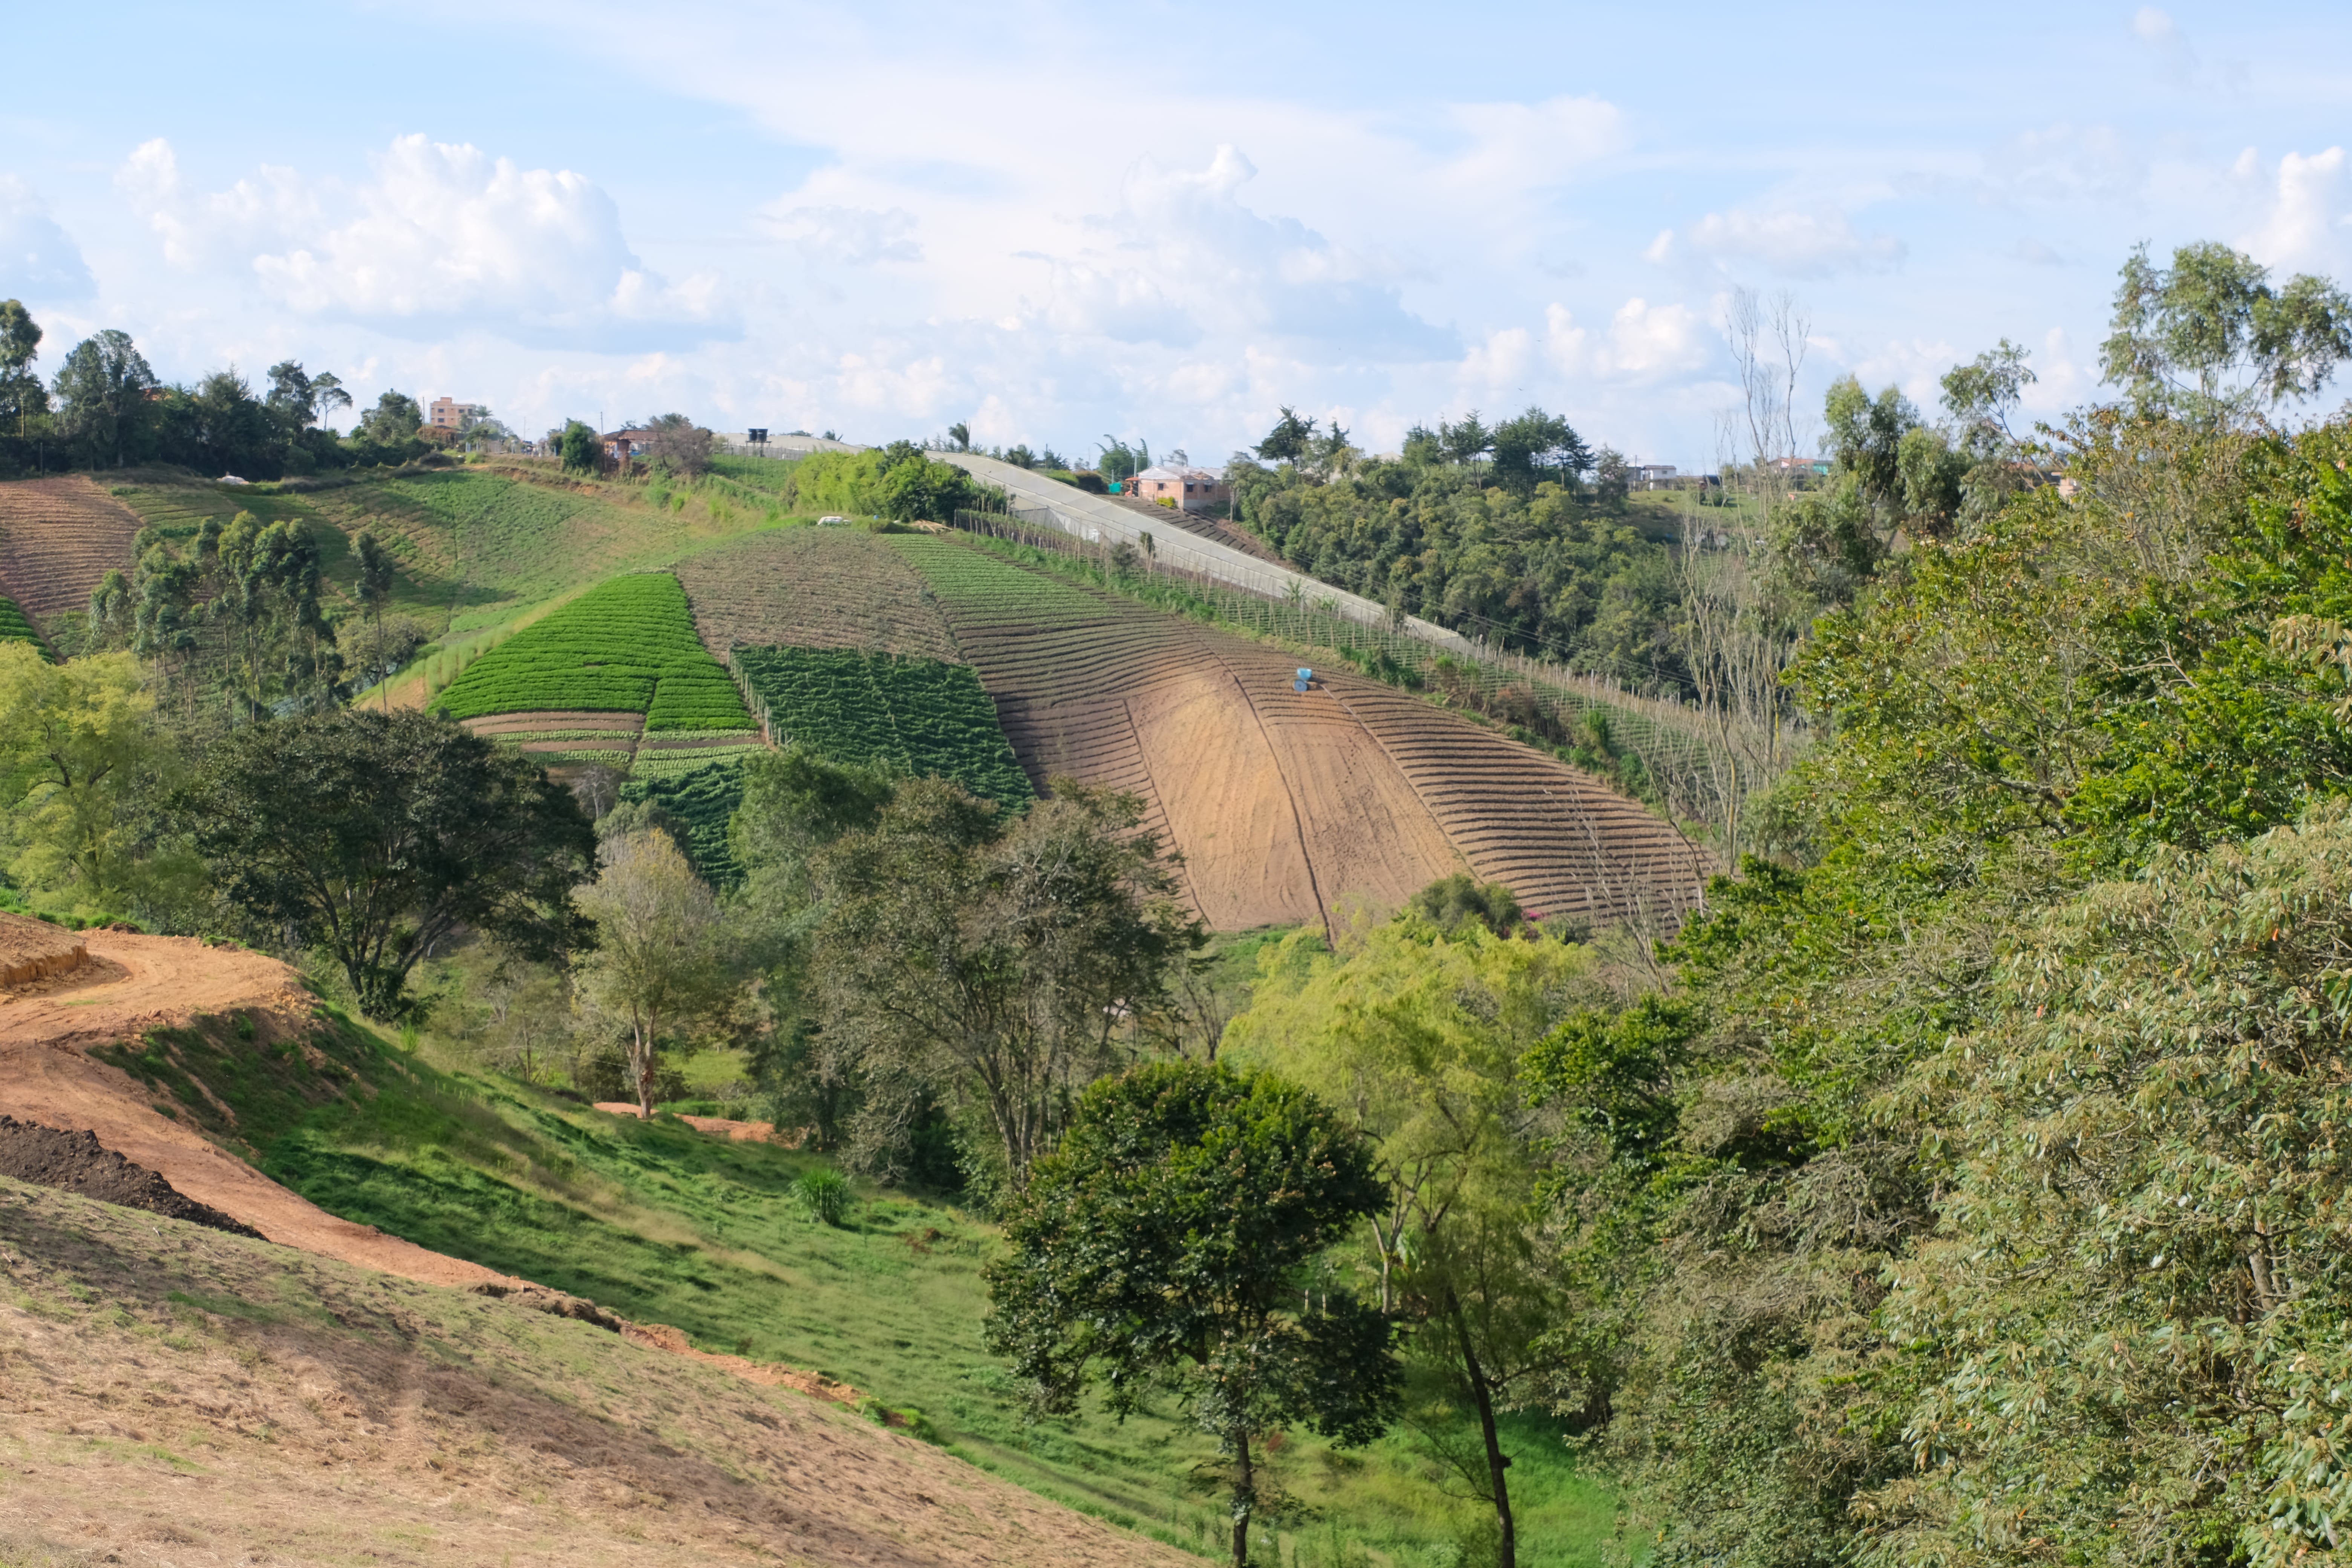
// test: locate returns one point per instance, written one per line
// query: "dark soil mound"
(76, 1162)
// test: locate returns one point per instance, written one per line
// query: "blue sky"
(1059, 221)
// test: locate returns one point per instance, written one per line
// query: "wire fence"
(1686, 753)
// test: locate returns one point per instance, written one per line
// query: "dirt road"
(132, 985)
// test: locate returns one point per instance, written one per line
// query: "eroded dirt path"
(135, 984)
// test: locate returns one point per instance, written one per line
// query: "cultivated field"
(1288, 805)
(917, 715)
(625, 647)
(59, 538)
(15, 628)
(813, 587)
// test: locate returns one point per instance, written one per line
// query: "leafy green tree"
(579, 448)
(1417, 1037)
(22, 396)
(103, 391)
(293, 397)
(374, 592)
(911, 485)
(394, 419)
(279, 644)
(378, 837)
(1289, 441)
(2209, 339)
(795, 805)
(960, 434)
(657, 967)
(1533, 443)
(1171, 1240)
(1117, 461)
(1464, 441)
(221, 427)
(680, 445)
(964, 951)
(81, 763)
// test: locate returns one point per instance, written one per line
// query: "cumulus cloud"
(2307, 224)
(38, 259)
(444, 235)
(1644, 344)
(1792, 242)
(848, 237)
(1183, 257)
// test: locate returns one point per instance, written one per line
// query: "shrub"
(824, 1194)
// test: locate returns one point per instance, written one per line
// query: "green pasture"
(665, 1225)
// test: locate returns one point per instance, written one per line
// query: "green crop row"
(677, 764)
(15, 628)
(973, 582)
(628, 645)
(917, 716)
(701, 802)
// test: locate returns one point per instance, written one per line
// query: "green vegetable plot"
(917, 715)
(15, 628)
(625, 646)
(703, 801)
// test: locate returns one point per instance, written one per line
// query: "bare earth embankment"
(174, 1394)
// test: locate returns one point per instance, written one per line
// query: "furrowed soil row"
(813, 587)
(58, 539)
(1287, 804)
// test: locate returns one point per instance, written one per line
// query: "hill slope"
(1288, 806)
(172, 1394)
(58, 536)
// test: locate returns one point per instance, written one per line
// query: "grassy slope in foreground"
(664, 1224)
(628, 645)
(233, 1401)
(919, 716)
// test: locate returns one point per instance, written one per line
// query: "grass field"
(628, 645)
(917, 716)
(665, 1225)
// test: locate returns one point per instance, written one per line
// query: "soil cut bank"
(76, 1162)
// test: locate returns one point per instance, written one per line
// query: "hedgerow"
(628, 645)
(917, 715)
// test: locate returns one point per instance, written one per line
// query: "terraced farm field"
(623, 646)
(702, 800)
(813, 587)
(15, 628)
(58, 536)
(1288, 805)
(919, 716)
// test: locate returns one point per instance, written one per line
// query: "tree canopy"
(376, 836)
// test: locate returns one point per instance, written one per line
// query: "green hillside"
(662, 1224)
(628, 645)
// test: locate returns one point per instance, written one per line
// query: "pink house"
(1192, 490)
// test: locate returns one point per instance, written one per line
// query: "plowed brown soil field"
(58, 536)
(813, 587)
(1288, 806)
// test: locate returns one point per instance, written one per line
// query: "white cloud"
(848, 237)
(443, 236)
(2067, 163)
(1519, 148)
(37, 259)
(2306, 227)
(1791, 241)
(1644, 343)
(1182, 257)
(2151, 26)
